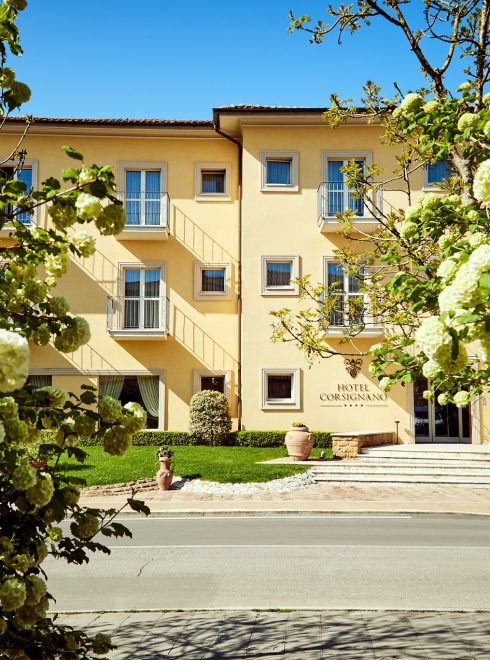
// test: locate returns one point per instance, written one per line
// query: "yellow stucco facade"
(235, 210)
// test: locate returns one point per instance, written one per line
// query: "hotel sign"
(350, 395)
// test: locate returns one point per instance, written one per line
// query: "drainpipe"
(239, 266)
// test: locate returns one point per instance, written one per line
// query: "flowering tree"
(34, 501)
(426, 270)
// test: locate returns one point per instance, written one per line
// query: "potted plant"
(165, 473)
(299, 441)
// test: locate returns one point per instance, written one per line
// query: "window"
(40, 380)
(28, 174)
(278, 273)
(436, 172)
(334, 194)
(279, 171)
(218, 381)
(346, 290)
(143, 193)
(212, 181)
(211, 281)
(142, 302)
(280, 388)
(144, 390)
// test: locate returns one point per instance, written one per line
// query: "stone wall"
(348, 445)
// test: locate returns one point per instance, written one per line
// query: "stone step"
(402, 478)
(372, 461)
(355, 468)
(425, 455)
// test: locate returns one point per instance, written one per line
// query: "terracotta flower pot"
(299, 442)
(164, 475)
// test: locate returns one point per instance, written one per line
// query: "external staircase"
(428, 463)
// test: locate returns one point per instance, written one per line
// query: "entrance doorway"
(436, 423)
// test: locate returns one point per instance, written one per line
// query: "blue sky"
(167, 59)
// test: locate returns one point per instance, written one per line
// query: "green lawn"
(225, 464)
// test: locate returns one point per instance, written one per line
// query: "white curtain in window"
(42, 380)
(111, 386)
(149, 393)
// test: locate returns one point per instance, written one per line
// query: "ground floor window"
(204, 379)
(280, 388)
(140, 389)
(40, 380)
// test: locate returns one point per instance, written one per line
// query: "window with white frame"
(142, 302)
(335, 195)
(345, 289)
(217, 381)
(212, 181)
(211, 281)
(279, 171)
(278, 273)
(143, 193)
(27, 174)
(144, 390)
(435, 173)
(281, 388)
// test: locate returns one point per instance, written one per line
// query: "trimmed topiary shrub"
(274, 439)
(209, 417)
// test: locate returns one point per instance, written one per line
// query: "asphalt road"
(327, 562)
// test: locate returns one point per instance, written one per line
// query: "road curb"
(253, 513)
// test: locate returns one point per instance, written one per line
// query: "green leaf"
(485, 281)
(88, 398)
(139, 506)
(72, 153)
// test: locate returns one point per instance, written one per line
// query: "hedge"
(323, 439)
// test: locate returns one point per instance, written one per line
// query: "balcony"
(334, 197)
(9, 228)
(138, 318)
(147, 216)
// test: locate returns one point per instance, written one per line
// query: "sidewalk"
(305, 635)
(318, 499)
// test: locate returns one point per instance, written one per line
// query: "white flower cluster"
(54, 396)
(467, 120)
(110, 409)
(86, 526)
(411, 103)
(24, 477)
(84, 425)
(88, 206)
(431, 106)
(14, 361)
(461, 399)
(112, 220)
(137, 420)
(56, 265)
(84, 243)
(117, 440)
(12, 594)
(41, 493)
(59, 305)
(73, 336)
(481, 183)
(434, 340)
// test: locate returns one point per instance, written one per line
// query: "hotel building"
(222, 215)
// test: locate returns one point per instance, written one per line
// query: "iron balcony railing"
(148, 209)
(138, 314)
(335, 197)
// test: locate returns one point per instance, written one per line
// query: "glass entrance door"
(436, 423)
